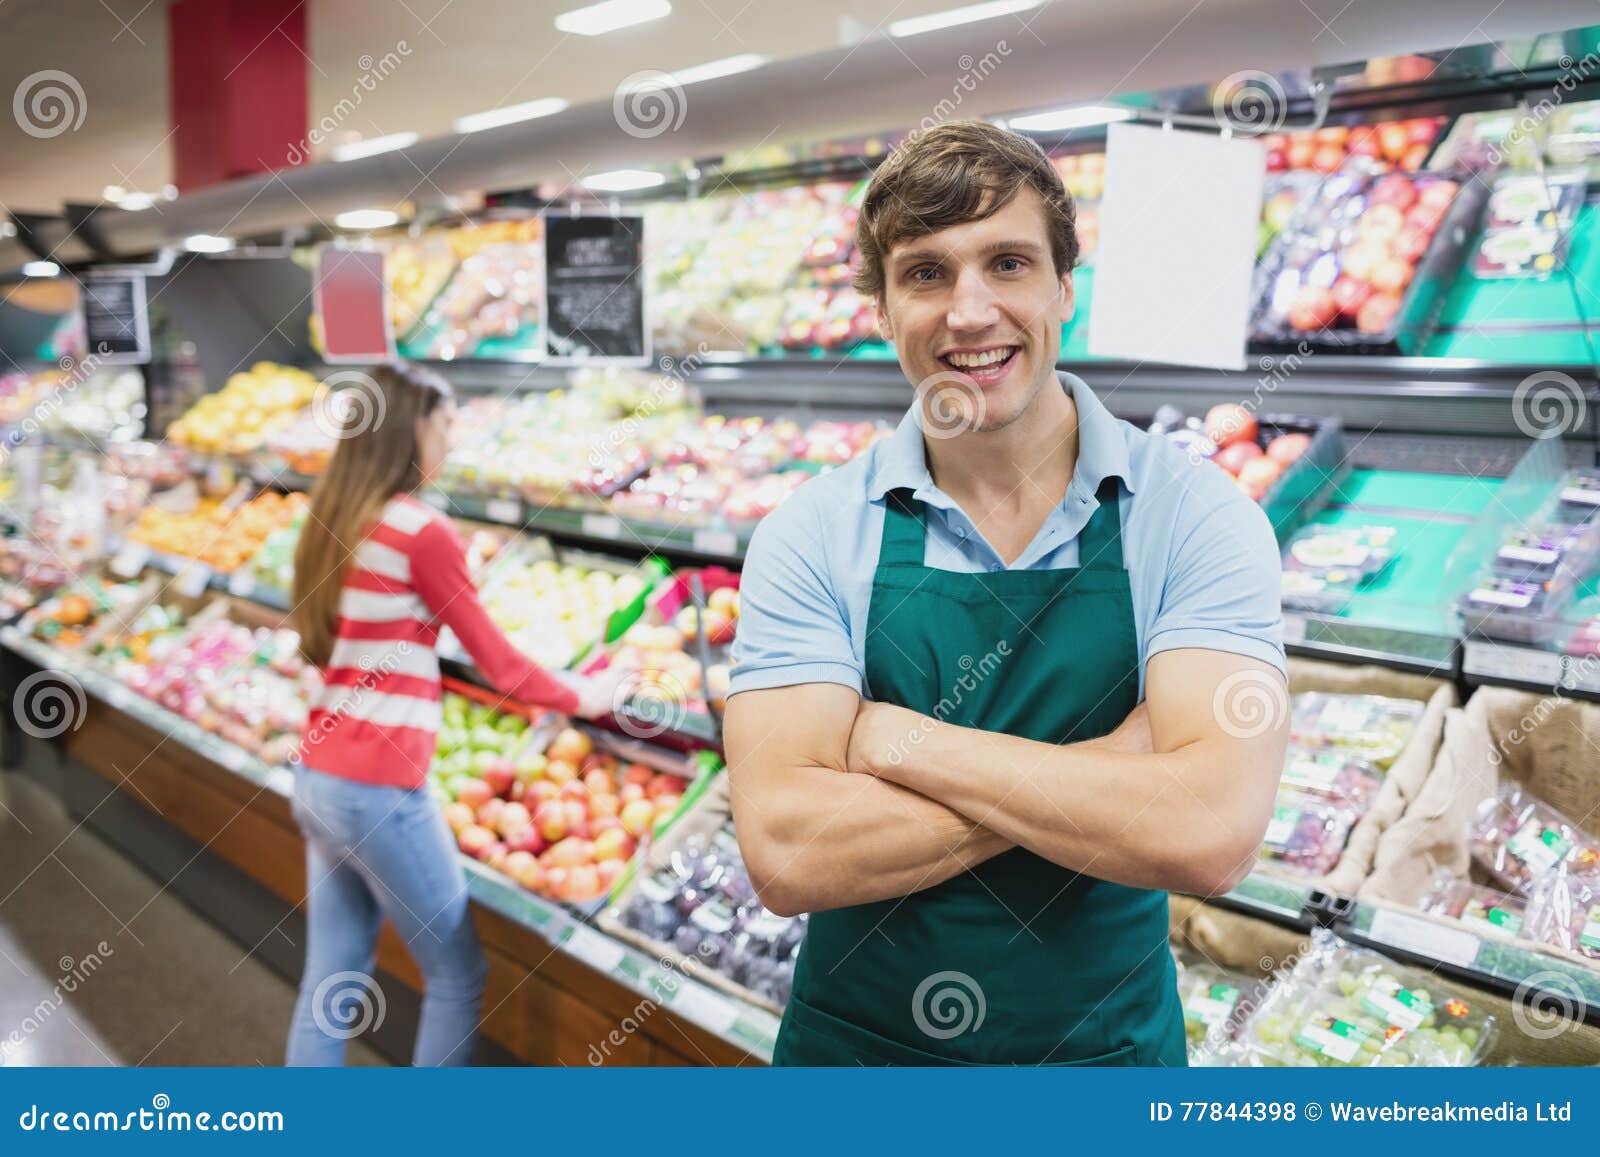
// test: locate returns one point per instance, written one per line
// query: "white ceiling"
(463, 56)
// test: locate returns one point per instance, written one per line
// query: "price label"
(437, 499)
(504, 510)
(1424, 937)
(599, 952)
(242, 583)
(602, 526)
(716, 542)
(130, 560)
(193, 579)
(1497, 661)
(704, 1007)
(1294, 629)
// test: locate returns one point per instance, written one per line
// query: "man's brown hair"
(954, 173)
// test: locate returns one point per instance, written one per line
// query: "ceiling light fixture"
(598, 19)
(623, 181)
(916, 25)
(355, 150)
(207, 243)
(727, 66)
(41, 269)
(509, 115)
(1078, 117)
(367, 219)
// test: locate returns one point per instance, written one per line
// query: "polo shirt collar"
(902, 461)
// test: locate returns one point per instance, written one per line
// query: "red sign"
(352, 303)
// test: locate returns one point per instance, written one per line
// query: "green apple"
(482, 759)
(529, 766)
(456, 782)
(512, 724)
(486, 738)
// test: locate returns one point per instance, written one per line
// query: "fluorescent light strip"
(367, 219)
(509, 115)
(1078, 117)
(972, 13)
(598, 19)
(355, 150)
(728, 66)
(623, 180)
(41, 269)
(207, 243)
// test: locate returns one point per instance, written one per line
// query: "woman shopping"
(377, 574)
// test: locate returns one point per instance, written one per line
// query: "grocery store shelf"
(1313, 637)
(1281, 901)
(1507, 664)
(746, 1027)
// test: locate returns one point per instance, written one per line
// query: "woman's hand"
(602, 693)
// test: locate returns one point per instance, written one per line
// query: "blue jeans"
(372, 852)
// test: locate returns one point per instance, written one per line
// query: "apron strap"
(1100, 543)
(903, 530)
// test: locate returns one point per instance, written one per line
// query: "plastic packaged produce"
(1215, 1000)
(1326, 593)
(1330, 774)
(1475, 906)
(1516, 610)
(1573, 136)
(1306, 835)
(1374, 727)
(1345, 1007)
(1516, 837)
(1365, 550)
(1564, 911)
(1580, 495)
(1538, 553)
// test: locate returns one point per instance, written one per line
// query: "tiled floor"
(99, 965)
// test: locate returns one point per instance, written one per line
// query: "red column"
(239, 89)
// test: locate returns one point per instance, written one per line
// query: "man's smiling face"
(975, 314)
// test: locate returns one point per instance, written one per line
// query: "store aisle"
(100, 966)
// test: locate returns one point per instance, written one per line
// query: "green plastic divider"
(1451, 494)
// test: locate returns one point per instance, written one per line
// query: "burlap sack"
(1547, 743)
(1405, 778)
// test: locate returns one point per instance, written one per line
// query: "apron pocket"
(815, 1038)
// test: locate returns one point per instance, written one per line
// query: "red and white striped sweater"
(377, 717)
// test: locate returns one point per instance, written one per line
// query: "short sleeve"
(792, 625)
(1224, 581)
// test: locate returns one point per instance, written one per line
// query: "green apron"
(1017, 961)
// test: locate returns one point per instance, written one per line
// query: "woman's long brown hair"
(374, 458)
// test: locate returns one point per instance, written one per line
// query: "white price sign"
(1424, 937)
(599, 952)
(504, 510)
(602, 526)
(130, 559)
(1524, 664)
(704, 1007)
(716, 542)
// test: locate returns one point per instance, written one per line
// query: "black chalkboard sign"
(594, 288)
(116, 322)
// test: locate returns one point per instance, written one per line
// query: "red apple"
(1277, 160)
(1376, 316)
(1363, 141)
(475, 793)
(474, 839)
(1287, 448)
(601, 806)
(555, 880)
(1312, 308)
(1394, 140)
(551, 819)
(1360, 259)
(1421, 130)
(500, 774)
(1300, 152)
(636, 817)
(637, 773)
(489, 813)
(630, 792)
(1395, 190)
(1438, 194)
(614, 844)
(513, 816)
(599, 824)
(608, 871)
(1228, 423)
(539, 792)
(1327, 158)
(665, 805)
(494, 855)
(570, 744)
(598, 782)
(1392, 276)
(1349, 294)
(1410, 244)
(583, 883)
(663, 784)
(525, 839)
(1232, 458)
(577, 814)
(573, 789)
(719, 628)
(459, 816)
(570, 852)
(1416, 156)
(1262, 472)
(524, 869)
(1380, 222)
